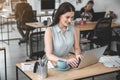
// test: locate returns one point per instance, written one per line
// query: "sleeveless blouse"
(62, 43)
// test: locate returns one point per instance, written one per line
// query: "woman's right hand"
(73, 62)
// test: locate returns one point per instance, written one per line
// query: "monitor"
(47, 5)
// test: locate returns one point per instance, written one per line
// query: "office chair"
(36, 45)
(28, 16)
(102, 34)
(77, 15)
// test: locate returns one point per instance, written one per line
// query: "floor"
(17, 53)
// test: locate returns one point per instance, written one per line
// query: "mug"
(62, 64)
(45, 22)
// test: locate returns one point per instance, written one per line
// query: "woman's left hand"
(79, 56)
(73, 62)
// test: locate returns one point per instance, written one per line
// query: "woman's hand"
(79, 56)
(73, 62)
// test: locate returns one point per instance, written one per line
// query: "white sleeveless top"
(62, 44)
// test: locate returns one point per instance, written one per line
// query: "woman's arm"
(76, 44)
(49, 45)
(74, 61)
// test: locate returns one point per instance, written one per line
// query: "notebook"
(91, 57)
(98, 15)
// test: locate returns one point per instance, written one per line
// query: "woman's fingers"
(73, 62)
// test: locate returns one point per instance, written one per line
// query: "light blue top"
(62, 43)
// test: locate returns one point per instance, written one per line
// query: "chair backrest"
(77, 14)
(103, 27)
(103, 31)
(36, 45)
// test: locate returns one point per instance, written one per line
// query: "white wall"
(35, 5)
(107, 5)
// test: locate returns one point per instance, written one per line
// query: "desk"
(35, 24)
(91, 26)
(90, 71)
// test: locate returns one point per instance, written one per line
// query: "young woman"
(61, 36)
(87, 10)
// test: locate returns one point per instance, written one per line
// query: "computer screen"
(47, 4)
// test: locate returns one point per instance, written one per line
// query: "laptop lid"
(98, 15)
(91, 56)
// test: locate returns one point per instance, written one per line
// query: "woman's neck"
(62, 27)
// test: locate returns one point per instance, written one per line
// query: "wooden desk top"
(2, 48)
(93, 70)
(43, 14)
(8, 16)
(91, 26)
(36, 24)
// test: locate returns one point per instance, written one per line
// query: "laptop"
(98, 15)
(91, 57)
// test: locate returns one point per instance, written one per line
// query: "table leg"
(118, 76)
(93, 78)
(5, 64)
(16, 73)
(1, 32)
(8, 30)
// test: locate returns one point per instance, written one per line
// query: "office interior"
(16, 53)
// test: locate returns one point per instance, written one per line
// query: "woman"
(88, 9)
(61, 36)
(87, 13)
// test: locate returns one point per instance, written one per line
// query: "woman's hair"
(90, 2)
(63, 8)
(23, 0)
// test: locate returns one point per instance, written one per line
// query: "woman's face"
(66, 18)
(89, 6)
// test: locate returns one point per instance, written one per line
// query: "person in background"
(19, 8)
(62, 36)
(87, 13)
(87, 10)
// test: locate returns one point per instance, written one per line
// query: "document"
(110, 61)
(29, 66)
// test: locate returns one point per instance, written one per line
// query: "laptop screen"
(98, 15)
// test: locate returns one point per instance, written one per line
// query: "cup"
(45, 22)
(62, 64)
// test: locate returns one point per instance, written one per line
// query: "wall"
(35, 5)
(100, 5)
(107, 5)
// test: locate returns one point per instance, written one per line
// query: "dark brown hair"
(63, 8)
(90, 2)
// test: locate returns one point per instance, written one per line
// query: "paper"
(50, 65)
(27, 66)
(30, 66)
(110, 61)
